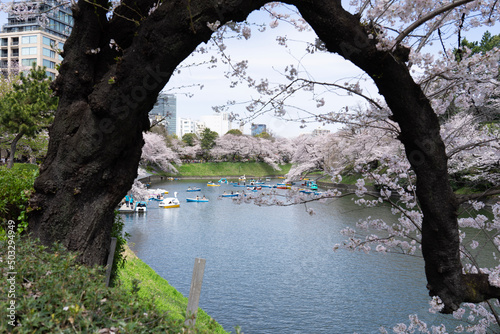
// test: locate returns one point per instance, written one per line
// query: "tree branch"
(426, 18)
(490, 192)
(469, 146)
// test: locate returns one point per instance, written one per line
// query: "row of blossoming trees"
(229, 147)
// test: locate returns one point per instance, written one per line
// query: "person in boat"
(189, 188)
(204, 197)
(224, 193)
(197, 197)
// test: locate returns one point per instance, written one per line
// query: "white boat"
(141, 207)
(126, 208)
(170, 202)
(158, 191)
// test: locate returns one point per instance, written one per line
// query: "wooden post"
(194, 292)
(111, 256)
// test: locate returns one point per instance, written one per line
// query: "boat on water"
(211, 184)
(223, 180)
(242, 178)
(170, 202)
(156, 194)
(230, 195)
(197, 199)
(193, 189)
(141, 207)
(126, 208)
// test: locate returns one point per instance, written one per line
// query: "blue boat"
(230, 195)
(193, 189)
(197, 199)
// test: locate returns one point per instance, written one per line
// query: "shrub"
(55, 294)
(17, 186)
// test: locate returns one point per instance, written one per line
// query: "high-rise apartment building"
(257, 129)
(165, 109)
(36, 39)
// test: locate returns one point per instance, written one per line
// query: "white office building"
(219, 123)
(320, 132)
(187, 125)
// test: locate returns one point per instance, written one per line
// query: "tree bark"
(13, 147)
(104, 99)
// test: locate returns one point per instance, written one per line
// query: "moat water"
(273, 269)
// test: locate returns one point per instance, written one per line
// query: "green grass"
(28, 167)
(55, 294)
(165, 297)
(227, 169)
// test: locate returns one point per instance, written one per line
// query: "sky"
(267, 59)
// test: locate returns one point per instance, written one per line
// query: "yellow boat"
(211, 184)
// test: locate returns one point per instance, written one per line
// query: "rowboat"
(193, 189)
(230, 195)
(197, 199)
(156, 194)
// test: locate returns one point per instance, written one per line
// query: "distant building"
(219, 123)
(257, 129)
(27, 42)
(320, 132)
(165, 109)
(187, 125)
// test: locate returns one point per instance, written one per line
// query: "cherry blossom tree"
(238, 147)
(156, 152)
(118, 59)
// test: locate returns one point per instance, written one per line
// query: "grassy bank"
(228, 169)
(49, 292)
(140, 278)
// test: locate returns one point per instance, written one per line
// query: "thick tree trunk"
(13, 147)
(104, 99)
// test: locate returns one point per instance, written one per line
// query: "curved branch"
(469, 146)
(426, 18)
(490, 192)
